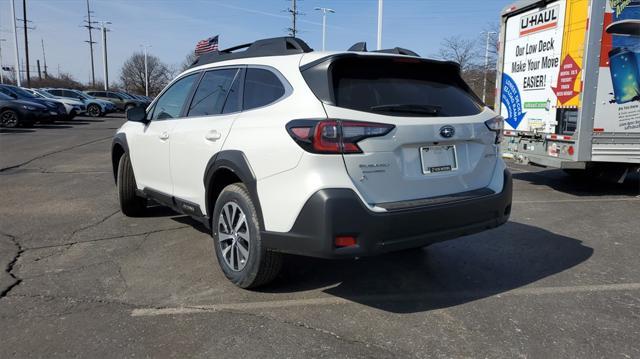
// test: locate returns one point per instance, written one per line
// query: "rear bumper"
(339, 212)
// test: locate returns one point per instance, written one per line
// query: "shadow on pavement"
(443, 275)
(584, 187)
(15, 130)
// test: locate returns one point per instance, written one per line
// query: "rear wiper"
(431, 110)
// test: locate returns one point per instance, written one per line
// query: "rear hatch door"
(439, 145)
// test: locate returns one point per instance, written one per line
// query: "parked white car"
(279, 149)
(73, 107)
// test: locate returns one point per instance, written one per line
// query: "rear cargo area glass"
(401, 87)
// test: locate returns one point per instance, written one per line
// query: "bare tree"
(63, 80)
(188, 60)
(460, 50)
(132, 77)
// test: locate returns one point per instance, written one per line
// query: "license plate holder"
(438, 158)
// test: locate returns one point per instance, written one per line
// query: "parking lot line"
(408, 297)
(632, 199)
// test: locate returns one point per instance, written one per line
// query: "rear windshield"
(401, 87)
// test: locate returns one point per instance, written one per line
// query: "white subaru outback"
(279, 149)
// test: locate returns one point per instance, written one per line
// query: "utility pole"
(1, 68)
(146, 70)
(90, 28)
(104, 53)
(26, 40)
(15, 42)
(293, 30)
(39, 73)
(44, 59)
(486, 65)
(325, 11)
(379, 24)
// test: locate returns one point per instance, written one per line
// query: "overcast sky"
(172, 27)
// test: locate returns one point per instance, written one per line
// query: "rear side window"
(212, 92)
(170, 103)
(261, 87)
(401, 87)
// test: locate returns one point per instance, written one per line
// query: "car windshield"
(125, 95)
(44, 94)
(83, 95)
(4, 97)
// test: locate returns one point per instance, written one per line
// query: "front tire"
(131, 205)
(237, 241)
(94, 110)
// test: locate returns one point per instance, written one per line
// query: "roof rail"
(362, 47)
(266, 47)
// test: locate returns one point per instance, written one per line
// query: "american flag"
(208, 45)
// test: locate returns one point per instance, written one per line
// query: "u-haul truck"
(568, 83)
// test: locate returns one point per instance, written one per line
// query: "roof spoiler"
(266, 47)
(362, 47)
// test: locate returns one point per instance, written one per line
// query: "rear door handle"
(164, 135)
(212, 136)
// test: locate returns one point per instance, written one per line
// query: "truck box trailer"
(568, 84)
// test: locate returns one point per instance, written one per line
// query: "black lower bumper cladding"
(339, 212)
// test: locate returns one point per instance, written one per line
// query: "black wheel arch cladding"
(119, 147)
(236, 162)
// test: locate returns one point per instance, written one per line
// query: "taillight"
(334, 136)
(496, 125)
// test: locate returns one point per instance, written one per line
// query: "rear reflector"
(345, 241)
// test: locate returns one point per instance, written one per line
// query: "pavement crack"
(102, 220)
(53, 153)
(69, 244)
(11, 264)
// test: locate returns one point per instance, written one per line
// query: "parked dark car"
(57, 111)
(16, 113)
(122, 101)
(145, 100)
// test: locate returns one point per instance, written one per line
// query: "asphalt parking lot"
(561, 279)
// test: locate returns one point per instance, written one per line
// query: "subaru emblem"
(447, 131)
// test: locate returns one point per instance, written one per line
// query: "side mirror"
(13, 95)
(137, 114)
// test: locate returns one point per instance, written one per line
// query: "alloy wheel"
(233, 236)
(9, 119)
(93, 110)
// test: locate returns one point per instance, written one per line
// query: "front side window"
(212, 92)
(170, 104)
(261, 87)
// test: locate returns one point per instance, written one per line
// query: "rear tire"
(131, 205)
(237, 241)
(9, 119)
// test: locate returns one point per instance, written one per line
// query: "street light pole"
(15, 42)
(146, 71)
(379, 24)
(1, 69)
(104, 53)
(325, 11)
(486, 65)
